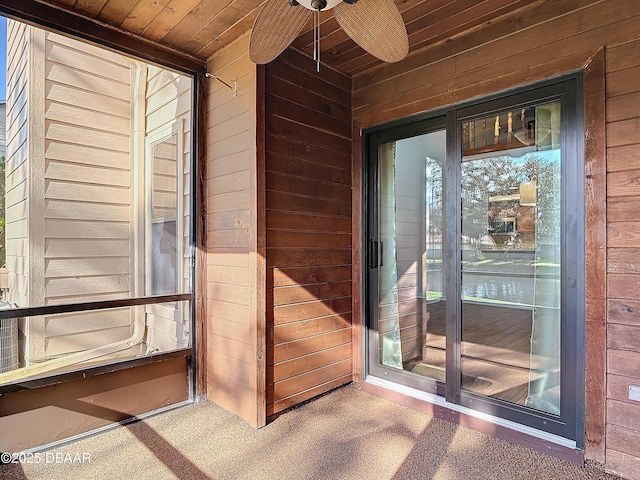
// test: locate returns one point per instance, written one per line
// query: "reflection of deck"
(496, 342)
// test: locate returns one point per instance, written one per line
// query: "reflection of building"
(3, 153)
(509, 217)
(81, 121)
(3, 128)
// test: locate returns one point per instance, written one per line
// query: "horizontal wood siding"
(87, 212)
(232, 274)
(543, 41)
(308, 222)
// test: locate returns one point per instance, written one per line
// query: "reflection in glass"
(510, 258)
(107, 336)
(97, 205)
(164, 213)
(411, 309)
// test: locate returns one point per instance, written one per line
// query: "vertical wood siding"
(233, 304)
(308, 222)
(540, 42)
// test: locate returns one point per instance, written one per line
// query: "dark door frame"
(568, 90)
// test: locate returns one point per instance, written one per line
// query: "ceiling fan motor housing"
(323, 4)
(319, 4)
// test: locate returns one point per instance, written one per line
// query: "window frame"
(85, 30)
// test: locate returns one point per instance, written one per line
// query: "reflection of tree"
(548, 201)
(481, 179)
(501, 176)
(434, 200)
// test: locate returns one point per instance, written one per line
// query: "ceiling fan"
(375, 25)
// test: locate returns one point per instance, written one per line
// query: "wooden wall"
(308, 222)
(235, 263)
(623, 262)
(541, 41)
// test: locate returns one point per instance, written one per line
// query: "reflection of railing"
(512, 288)
(56, 364)
(87, 306)
(512, 274)
(490, 135)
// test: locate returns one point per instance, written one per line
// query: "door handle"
(381, 253)
(373, 254)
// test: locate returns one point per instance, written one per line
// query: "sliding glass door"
(411, 302)
(474, 230)
(510, 257)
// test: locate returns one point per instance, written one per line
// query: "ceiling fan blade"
(276, 26)
(375, 25)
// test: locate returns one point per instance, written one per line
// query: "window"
(97, 207)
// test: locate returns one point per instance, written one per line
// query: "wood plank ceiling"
(199, 28)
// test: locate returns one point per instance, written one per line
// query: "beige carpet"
(346, 434)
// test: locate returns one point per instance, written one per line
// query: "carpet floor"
(346, 434)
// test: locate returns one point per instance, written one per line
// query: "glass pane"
(164, 202)
(78, 230)
(165, 235)
(77, 340)
(511, 259)
(411, 308)
(163, 258)
(78, 223)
